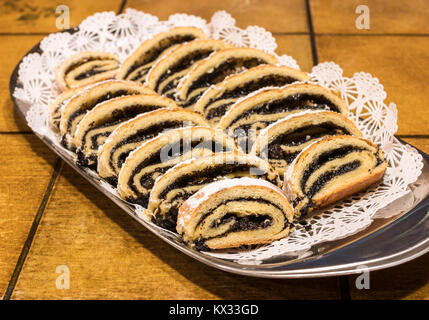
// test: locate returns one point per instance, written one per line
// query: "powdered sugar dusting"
(195, 200)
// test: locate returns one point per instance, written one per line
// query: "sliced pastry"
(235, 212)
(137, 65)
(216, 101)
(156, 156)
(331, 169)
(165, 75)
(216, 68)
(258, 110)
(57, 106)
(98, 124)
(282, 141)
(133, 133)
(76, 108)
(184, 179)
(85, 68)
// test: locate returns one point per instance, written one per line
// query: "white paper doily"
(121, 34)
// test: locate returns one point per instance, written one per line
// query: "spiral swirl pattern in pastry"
(216, 68)
(186, 178)
(331, 169)
(235, 212)
(138, 64)
(217, 100)
(146, 163)
(85, 68)
(133, 133)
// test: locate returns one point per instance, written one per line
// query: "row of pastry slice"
(123, 135)
(85, 117)
(100, 112)
(167, 172)
(91, 67)
(187, 64)
(344, 164)
(184, 65)
(111, 130)
(159, 169)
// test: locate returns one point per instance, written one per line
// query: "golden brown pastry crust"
(162, 42)
(111, 62)
(266, 75)
(240, 56)
(194, 142)
(266, 96)
(75, 109)
(341, 187)
(163, 65)
(115, 146)
(98, 123)
(165, 200)
(239, 198)
(288, 128)
(58, 104)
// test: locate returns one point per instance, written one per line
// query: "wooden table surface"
(49, 216)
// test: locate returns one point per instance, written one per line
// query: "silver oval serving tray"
(385, 243)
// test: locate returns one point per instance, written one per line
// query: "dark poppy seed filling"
(255, 84)
(91, 72)
(198, 178)
(322, 180)
(180, 65)
(157, 158)
(102, 60)
(298, 137)
(169, 87)
(219, 111)
(254, 222)
(325, 157)
(117, 117)
(56, 113)
(91, 104)
(251, 222)
(140, 74)
(244, 89)
(292, 103)
(327, 176)
(232, 213)
(230, 66)
(97, 69)
(147, 180)
(152, 54)
(190, 101)
(141, 135)
(84, 161)
(331, 169)
(94, 138)
(202, 177)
